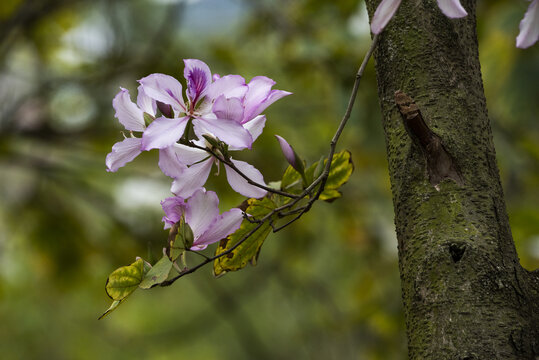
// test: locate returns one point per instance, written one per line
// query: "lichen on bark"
(464, 292)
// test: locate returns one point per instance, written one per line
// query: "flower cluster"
(216, 115)
(529, 26)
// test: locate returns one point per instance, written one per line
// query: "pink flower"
(213, 108)
(201, 212)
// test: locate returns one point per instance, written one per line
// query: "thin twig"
(230, 164)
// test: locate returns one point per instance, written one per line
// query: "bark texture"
(465, 294)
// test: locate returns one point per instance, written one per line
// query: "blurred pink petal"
(384, 12)
(529, 27)
(452, 8)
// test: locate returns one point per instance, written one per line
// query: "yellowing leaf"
(123, 281)
(249, 249)
(291, 181)
(339, 173)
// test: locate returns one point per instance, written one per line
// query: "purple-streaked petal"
(229, 86)
(240, 185)
(198, 76)
(228, 109)
(173, 208)
(169, 163)
(228, 131)
(127, 112)
(222, 226)
(260, 96)
(201, 211)
(146, 103)
(288, 152)
(122, 153)
(164, 88)
(452, 8)
(192, 179)
(529, 26)
(384, 12)
(163, 132)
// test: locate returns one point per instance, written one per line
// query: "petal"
(273, 96)
(127, 112)
(254, 127)
(228, 109)
(228, 131)
(198, 76)
(173, 208)
(287, 151)
(122, 153)
(146, 103)
(229, 86)
(169, 163)
(164, 88)
(240, 185)
(163, 132)
(188, 155)
(192, 179)
(223, 226)
(529, 27)
(201, 211)
(260, 96)
(452, 8)
(384, 12)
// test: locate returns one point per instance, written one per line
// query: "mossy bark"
(465, 294)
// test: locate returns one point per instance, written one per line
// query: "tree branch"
(280, 211)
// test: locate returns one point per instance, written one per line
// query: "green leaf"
(318, 168)
(148, 119)
(157, 274)
(291, 181)
(123, 281)
(180, 238)
(339, 173)
(249, 249)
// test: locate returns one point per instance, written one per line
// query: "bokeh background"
(325, 288)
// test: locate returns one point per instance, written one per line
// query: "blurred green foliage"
(325, 288)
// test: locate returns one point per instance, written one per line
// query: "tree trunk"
(465, 294)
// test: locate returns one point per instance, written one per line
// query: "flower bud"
(165, 109)
(291, 156)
